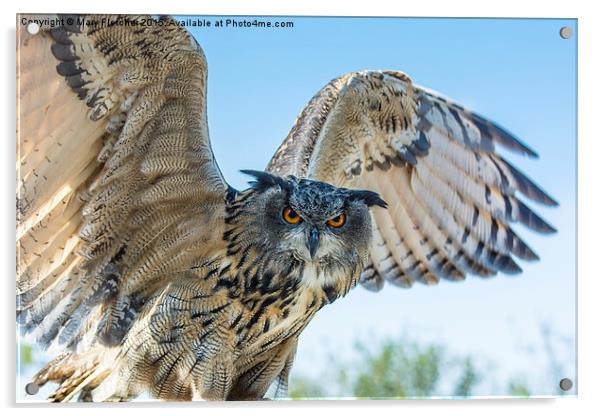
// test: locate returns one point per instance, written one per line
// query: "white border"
(589, 152)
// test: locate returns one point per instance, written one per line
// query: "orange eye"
(291, 216)
(338, 221)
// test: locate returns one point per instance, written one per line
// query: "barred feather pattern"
(137, 258)
(118, 191)
(229, 328)
(76, 374)
(452, 198)
(142, 263)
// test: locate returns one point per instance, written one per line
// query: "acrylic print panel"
(152, 269)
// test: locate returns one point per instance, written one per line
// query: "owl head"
(315, 222)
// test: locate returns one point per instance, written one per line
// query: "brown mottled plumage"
(152, 274)
(451, 197)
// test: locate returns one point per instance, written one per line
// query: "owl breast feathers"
(152, 274)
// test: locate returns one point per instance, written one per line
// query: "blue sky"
(520, 73)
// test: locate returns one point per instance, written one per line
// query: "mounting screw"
(32, 389)
(566, 32)
(566, 384)
(33, 28)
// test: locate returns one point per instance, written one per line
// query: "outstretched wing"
(118, 191)
(451, 197)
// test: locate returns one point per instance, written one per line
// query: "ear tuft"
(370, 198)
(264, 180)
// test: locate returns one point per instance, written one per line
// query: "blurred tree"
(402, 368)
(304, 388)
(518, 388)
(397, 369)
(26, 354)
(468, 378)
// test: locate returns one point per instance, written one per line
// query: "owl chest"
(269, 317)
(268, 320)
(267, 345)
(255, 377)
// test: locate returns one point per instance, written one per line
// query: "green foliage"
(402, 368)
(26, 354)
(517, 388)
(396, 369)
(468, 378)
(304, 388)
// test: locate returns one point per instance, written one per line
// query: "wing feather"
(116, 178)
(451, 197)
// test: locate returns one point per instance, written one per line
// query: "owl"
(149, 273)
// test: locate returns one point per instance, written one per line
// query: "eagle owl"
(150, 273)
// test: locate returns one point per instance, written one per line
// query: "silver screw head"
(33, 28)
(566, 32)
(32, 389)
(566, 384)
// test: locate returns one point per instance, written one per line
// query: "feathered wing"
(451, 197)
(118, 191)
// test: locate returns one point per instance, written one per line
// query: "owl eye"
(291, 216)
(338, 221)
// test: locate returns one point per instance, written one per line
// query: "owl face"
(314, 221)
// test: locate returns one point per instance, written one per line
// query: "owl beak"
(313, 241)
